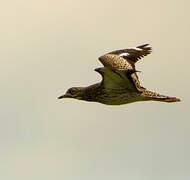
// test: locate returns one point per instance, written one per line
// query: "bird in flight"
(120, 83)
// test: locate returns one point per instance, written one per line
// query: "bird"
(120, 83)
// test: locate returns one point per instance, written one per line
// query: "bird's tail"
(149, 95)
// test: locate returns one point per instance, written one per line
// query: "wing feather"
(122, 61)
(133, 54)
(117, 79)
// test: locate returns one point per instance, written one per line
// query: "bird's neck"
(92, 91)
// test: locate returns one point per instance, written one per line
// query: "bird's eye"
(72, 91)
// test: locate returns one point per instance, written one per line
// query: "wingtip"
(145, 46)
(97, 69)
(100, 70)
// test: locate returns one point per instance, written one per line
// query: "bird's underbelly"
(118, 98)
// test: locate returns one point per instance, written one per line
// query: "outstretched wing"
(116, 79)
(125, 59)
(133, 54)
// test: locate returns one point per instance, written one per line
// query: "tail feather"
(149, 95)
(171, 99)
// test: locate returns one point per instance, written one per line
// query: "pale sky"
(48, 46)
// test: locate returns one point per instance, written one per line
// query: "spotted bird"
(120, 83)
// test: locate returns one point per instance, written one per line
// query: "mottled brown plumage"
(120, 83)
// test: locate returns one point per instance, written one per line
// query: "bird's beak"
(63, 96)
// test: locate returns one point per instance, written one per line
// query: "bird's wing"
(123, 61)
(125, 58)
(117, 79)
(133, 54)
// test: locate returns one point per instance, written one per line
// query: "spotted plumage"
(120, 83)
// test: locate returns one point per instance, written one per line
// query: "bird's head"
(74, 92)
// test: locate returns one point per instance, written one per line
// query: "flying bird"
(120, 83)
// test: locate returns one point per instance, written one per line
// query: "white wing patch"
(124, 54)
(135, 48)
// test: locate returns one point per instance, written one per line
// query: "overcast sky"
(47, 46)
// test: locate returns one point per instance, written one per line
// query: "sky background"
(48, 46)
